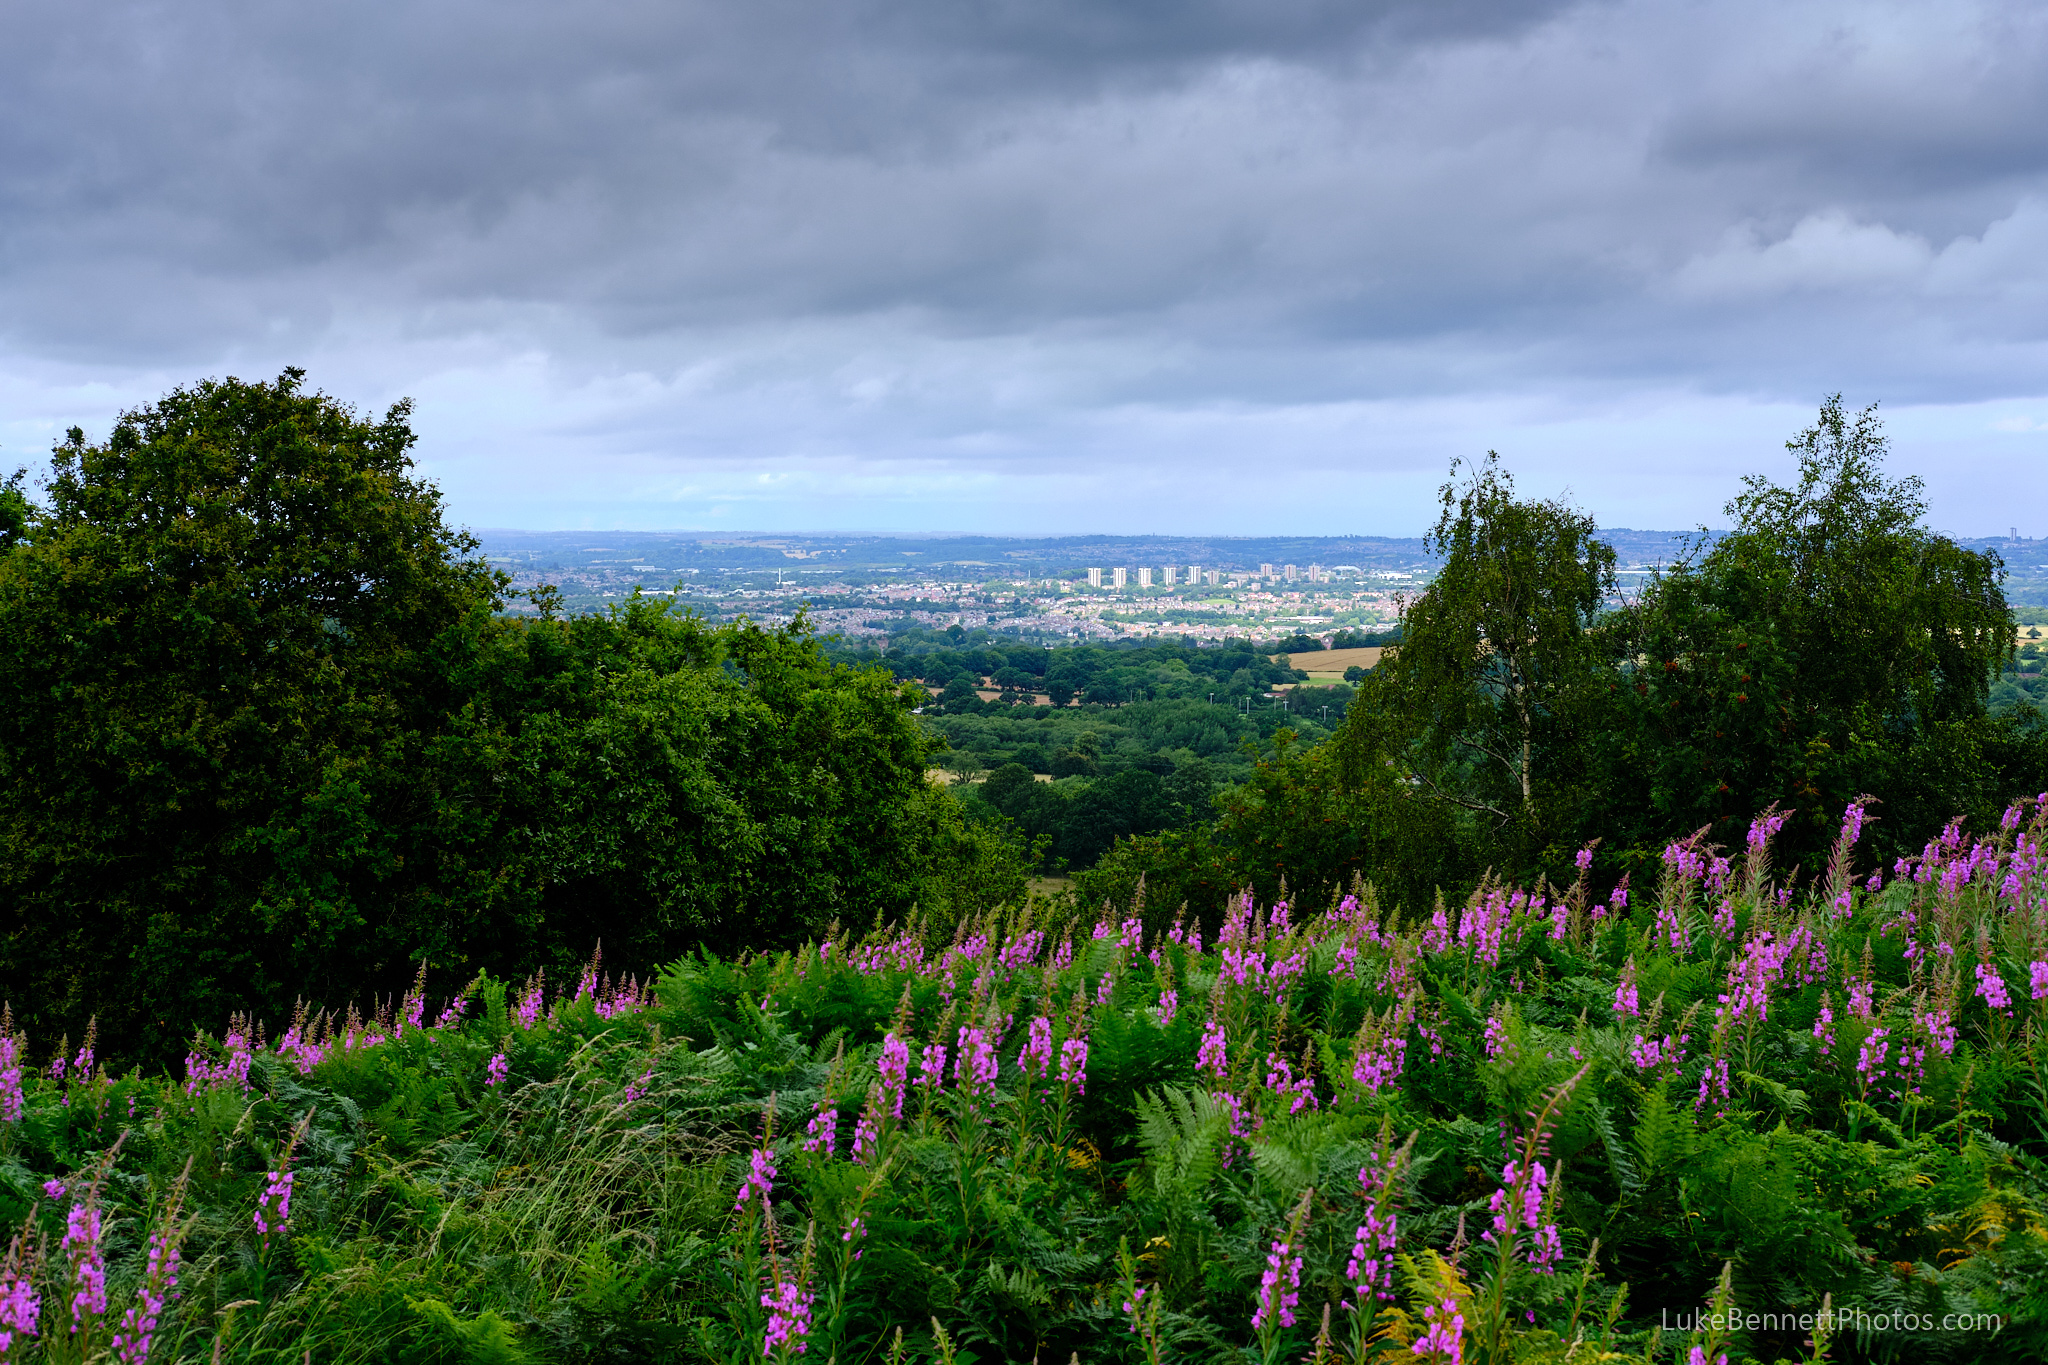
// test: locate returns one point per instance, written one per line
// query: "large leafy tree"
(1829, 645)
(263, 733)
(220, 642)
(1485, 705)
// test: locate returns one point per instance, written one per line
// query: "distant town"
(1052, 590)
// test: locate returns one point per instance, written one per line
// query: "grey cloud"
(984, 234)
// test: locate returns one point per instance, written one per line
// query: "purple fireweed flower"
(21, 1307)
(1764, 827)
(789, 1318)
(1991, 986)
(1748, 997)
(894, 1067)
(200, 1073)
(12, 1102)
(867, 1133)
(638, 1089)
(823, 1130)
(1281, 1080)
(53, 1189)
(931, 1068)
(1714, 1077)
(1279, 1287)
(974, 1069)
(1673, 929)
(1824, 1026)
(2037, 974)
(1035, 1060)
(1444, 1342)
(88, 1262)
(1860, 993)
(304, 1055)
(1650, 1053)
(760, 1179)
(1940, 1030)
(496, 1070)
(1214, 1054)
(1626, 1002)
(1437, 938)
(1074, 1064)
(1583, 859)
(1685, 861)
(1619, 899)
(1526, 1188)
(1021, 950)
(1852, 822)
(159, 1286)
(1169, 1005)
(533, 997)
(1135, 1305)
(1871, 1056)
(1370, 1270)
(1496, 1033)
(1063, 955)
(1376, 1068)
(274, 1205)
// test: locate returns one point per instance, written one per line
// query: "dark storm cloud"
(974, 236)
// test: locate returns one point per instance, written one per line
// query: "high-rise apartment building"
(1215, 578)
(1166, 576)
(1289, 571)
(1195, 574)
(1265, 570)
(1095, 578)
(1123, 576)
(1144, 578)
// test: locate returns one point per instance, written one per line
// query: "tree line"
(266, 730)
(1829, 646)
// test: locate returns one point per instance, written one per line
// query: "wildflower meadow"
(1720, 1117)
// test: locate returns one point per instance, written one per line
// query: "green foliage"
(1490, 701)
(555, 1179)
(263, 733)
(1829, 646)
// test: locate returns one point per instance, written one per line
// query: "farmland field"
(1549, 1124)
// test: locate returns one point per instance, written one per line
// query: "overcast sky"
(1048, 265)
